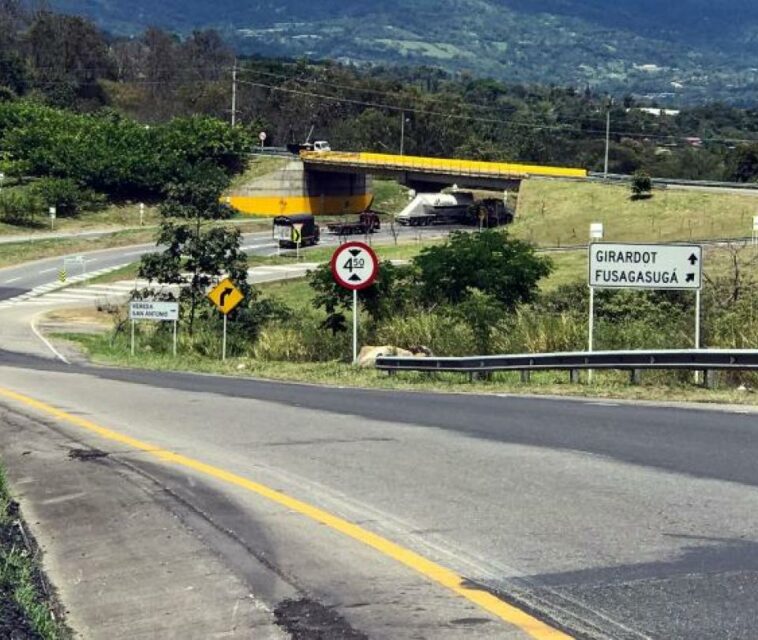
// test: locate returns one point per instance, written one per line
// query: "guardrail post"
(635, 377)
(574, 376)
(526, 376)
(710, 378)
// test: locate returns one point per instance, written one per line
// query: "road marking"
(33, 325)
(431, 570)
(12, 280)
(48, 270)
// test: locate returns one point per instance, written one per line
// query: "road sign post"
(296, 235)
(156, 311)
(226, 297)
(355, 266)
(673, 267)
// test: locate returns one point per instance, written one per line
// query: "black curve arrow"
(224, 294)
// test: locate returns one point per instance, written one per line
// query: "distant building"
(654, 111)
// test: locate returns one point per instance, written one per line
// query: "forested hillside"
(67, 63)
(684, 51)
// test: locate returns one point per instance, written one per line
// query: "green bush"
(532, 331)
(20, 208)
(444, 335)
(301, 340)
(67, 196)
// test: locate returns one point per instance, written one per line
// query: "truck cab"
(321, 146)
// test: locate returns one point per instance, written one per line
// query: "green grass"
(559, 213)
(19, 574)
(389, 196)
(103, 349)
(257, 167)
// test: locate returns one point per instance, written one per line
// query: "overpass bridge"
(426, 174)
(339, 183)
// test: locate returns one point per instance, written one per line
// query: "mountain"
(682, 50)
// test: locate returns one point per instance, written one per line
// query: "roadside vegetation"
(480, 293)
(26, 607)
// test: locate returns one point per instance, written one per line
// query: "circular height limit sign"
(355, 266)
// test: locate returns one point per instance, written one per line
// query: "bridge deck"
(452, 167)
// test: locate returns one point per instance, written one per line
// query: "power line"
(472, 118)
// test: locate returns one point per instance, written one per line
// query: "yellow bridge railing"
(439, 165)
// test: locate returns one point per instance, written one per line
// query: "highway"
(23, 278)
(387, 514)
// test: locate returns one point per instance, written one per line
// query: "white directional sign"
(645, 266)
(153, 310)
(355, 265)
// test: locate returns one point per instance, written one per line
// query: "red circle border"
(344, 283)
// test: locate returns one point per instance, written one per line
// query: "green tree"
(642, 185)
(507, 270)
(391, 294)
(194, 257)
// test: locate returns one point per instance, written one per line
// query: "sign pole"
(697, 318)
(223, 341)
(355, 326)
(133, 322)
(591, 333)
(175, 324)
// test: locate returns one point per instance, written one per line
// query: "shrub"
(20, 208)
(444, 335)
(66, 196)
(642, 185)
(301, 340)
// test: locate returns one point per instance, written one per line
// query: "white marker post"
(596, 233)
(141, 214)
(355, 266)
(755, 230)
(52, 212)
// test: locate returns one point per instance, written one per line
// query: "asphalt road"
(22, 278)
(605, 520)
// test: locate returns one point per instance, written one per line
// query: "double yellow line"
(427, 568)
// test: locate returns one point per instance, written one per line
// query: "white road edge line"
(33, 325)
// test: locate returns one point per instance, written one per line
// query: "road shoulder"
(124, 565)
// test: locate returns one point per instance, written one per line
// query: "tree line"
(67, 62)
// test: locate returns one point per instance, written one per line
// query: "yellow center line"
(427, 568)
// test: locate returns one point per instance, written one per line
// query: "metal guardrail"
(715, 184)
(707, 360)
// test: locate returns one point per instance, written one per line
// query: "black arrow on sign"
(355, 277)
(224, 293)
(690, 277)
(692, 259)
(354, 252)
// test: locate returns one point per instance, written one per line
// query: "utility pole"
(402, 132)
(608, 106)
(234, 94)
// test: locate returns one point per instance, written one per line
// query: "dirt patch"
(306, 619)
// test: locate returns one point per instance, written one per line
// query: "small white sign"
(262, 136)
(645, 266)
(153, 310)
(596, 231)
